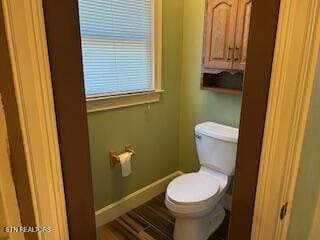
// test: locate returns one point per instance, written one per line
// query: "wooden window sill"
(120, 101)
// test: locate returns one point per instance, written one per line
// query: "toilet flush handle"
(198, 136)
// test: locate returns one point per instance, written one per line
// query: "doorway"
(66, 67)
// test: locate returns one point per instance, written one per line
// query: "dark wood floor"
(151, 221)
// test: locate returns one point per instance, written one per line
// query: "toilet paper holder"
(114, 157)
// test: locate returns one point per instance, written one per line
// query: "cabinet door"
(242, 33)
(219, 33)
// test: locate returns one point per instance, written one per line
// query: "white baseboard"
(228, 202)
(133, 200)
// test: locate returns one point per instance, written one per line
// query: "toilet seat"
(193, 189)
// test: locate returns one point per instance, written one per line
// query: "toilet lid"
(192, 188)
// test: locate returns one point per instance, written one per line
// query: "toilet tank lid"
(218, 131)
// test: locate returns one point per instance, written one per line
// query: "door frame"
(65, 57)
(261, 42)
(8, 196)
(24, 18)
(294, 69)
(28, 59)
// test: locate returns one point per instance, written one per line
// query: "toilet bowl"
(196, 199)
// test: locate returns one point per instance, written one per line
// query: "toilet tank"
(217, 146)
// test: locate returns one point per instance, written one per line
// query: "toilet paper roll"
(125, 162)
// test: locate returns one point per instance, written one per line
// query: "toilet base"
(198, 228)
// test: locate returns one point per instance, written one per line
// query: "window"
(118, 47)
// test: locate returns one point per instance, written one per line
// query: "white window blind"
(117, 46)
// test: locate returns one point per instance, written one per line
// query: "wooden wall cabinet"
(226, 31)
(220, 22)
(242, 34)
(226, 34)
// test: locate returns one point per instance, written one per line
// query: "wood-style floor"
(151, 221)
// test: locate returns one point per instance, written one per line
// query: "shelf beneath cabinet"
(222, 90)
(226, 82)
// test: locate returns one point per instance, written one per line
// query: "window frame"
(106, 102)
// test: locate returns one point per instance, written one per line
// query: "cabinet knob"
(229, 52)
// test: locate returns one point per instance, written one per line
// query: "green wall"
(152, 133)
(307, 194)
(198, 106)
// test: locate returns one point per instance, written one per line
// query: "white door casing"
(293, 74)
(25, 30)
(8, 195)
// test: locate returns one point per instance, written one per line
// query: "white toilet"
(195, 199)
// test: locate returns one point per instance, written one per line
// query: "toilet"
(196, 199)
